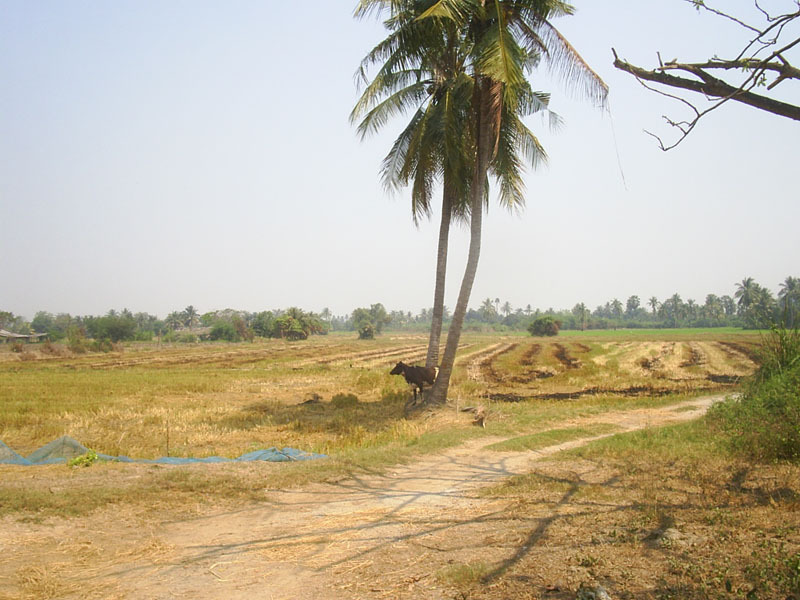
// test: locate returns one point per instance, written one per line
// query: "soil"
(378, 536)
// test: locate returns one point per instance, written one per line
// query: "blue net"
(65, 448)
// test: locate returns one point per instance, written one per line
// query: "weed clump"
(84, 460)
(344, 401)
(764, 422)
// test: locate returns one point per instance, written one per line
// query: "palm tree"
(422, 67)
(789, 295)
(713, 308)
(487, 310)
(580, 311)
(496, 41)
(746, 294)
(174, 320)
(507, 308)
(616, 308)
(506, 38)
(190, 316)
(691, 308)
(653, 302)
(632, 305)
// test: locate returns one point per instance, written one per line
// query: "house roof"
(18, 336)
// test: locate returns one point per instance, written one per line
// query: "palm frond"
(566, 63)
(397, 103)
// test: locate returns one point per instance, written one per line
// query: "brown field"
(403, 508)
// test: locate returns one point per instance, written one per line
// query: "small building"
(7, 336)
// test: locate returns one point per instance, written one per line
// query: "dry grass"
(656, 514)
(227, 399)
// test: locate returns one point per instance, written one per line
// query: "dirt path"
(368, 537)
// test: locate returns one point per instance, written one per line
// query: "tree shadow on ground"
(341, 414)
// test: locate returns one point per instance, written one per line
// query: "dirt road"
(378, 536)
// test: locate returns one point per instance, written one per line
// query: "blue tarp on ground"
(65, 448)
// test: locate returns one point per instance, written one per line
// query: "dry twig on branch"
(765, 55)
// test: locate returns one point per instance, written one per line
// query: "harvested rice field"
(421, 506)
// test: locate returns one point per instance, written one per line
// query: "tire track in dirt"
(368, 536)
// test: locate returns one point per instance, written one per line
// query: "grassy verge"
(552, 437)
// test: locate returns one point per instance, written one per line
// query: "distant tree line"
(752, 306)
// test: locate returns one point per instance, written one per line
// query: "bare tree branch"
(762, 54)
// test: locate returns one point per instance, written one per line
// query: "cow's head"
(399, 369)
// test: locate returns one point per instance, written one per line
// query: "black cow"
(416, 376)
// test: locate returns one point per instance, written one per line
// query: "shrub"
(50, 349)
(764, 422)
(103, 345)
(187, 338)
(242, 330)
(366, 332)
(370, 321)
(289, 327)
(17, 347)
(224, 330)
(544, 326)
(76, 341)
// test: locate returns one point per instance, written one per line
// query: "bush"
(103, 345)
(544, 326)
(17, 347)
(224, 330)
(76, 341)
(366, 332)
(49, 348)
(370, 321)
(764, 422)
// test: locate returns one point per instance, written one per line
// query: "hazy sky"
(158, 154)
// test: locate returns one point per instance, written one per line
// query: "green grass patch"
(552, 437)
(684, 441)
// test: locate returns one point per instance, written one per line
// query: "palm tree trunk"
(438, 393)
(432, 358)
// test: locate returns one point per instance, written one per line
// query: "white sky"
(159, 154)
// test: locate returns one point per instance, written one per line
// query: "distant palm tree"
(190, 316)
(653, 302)
(789, 295)
(691, 309)
(174, 320)
(582, 313)
(487, 310)
(616, 308)
(507, 310)
(746, 294)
